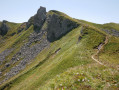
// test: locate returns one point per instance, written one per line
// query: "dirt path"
(96, 60)
(98, 51)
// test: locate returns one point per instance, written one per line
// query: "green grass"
(86, 77)
(110, 54)
(72, 53)
(13, 28)
(112, 26)
(107, 26)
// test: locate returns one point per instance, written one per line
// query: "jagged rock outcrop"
(4, 28)
(38, 19)
(57, 26)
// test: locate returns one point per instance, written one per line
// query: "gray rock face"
(38, 19)
(4, 28)
(58, 26)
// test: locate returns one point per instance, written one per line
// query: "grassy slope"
(72, 53)
(111, 50)
(74, 57)
(110, 54)
(90, 76)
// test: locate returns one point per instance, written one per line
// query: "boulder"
(4, 28)
(7, 64)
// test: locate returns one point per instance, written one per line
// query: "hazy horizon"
(103, 11)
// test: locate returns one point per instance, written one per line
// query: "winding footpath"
(99, 49)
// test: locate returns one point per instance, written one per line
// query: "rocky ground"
(112, 32)
(27, 53)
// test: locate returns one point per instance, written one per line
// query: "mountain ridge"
(53, 42)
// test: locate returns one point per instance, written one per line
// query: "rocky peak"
(41, 10)
(4, 21)
(38, 19)
(4, 28)
(56, 23)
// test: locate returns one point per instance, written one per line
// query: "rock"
(58, 26)
(5, 53)
(30, 22)
(38, 19)
(4, 21)
(4, 28)
(112, 32)
(7, 64)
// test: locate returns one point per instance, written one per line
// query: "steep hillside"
(53, 51)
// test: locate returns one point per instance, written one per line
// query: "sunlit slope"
(67, 63)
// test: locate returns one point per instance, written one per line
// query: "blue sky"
(97, 11)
